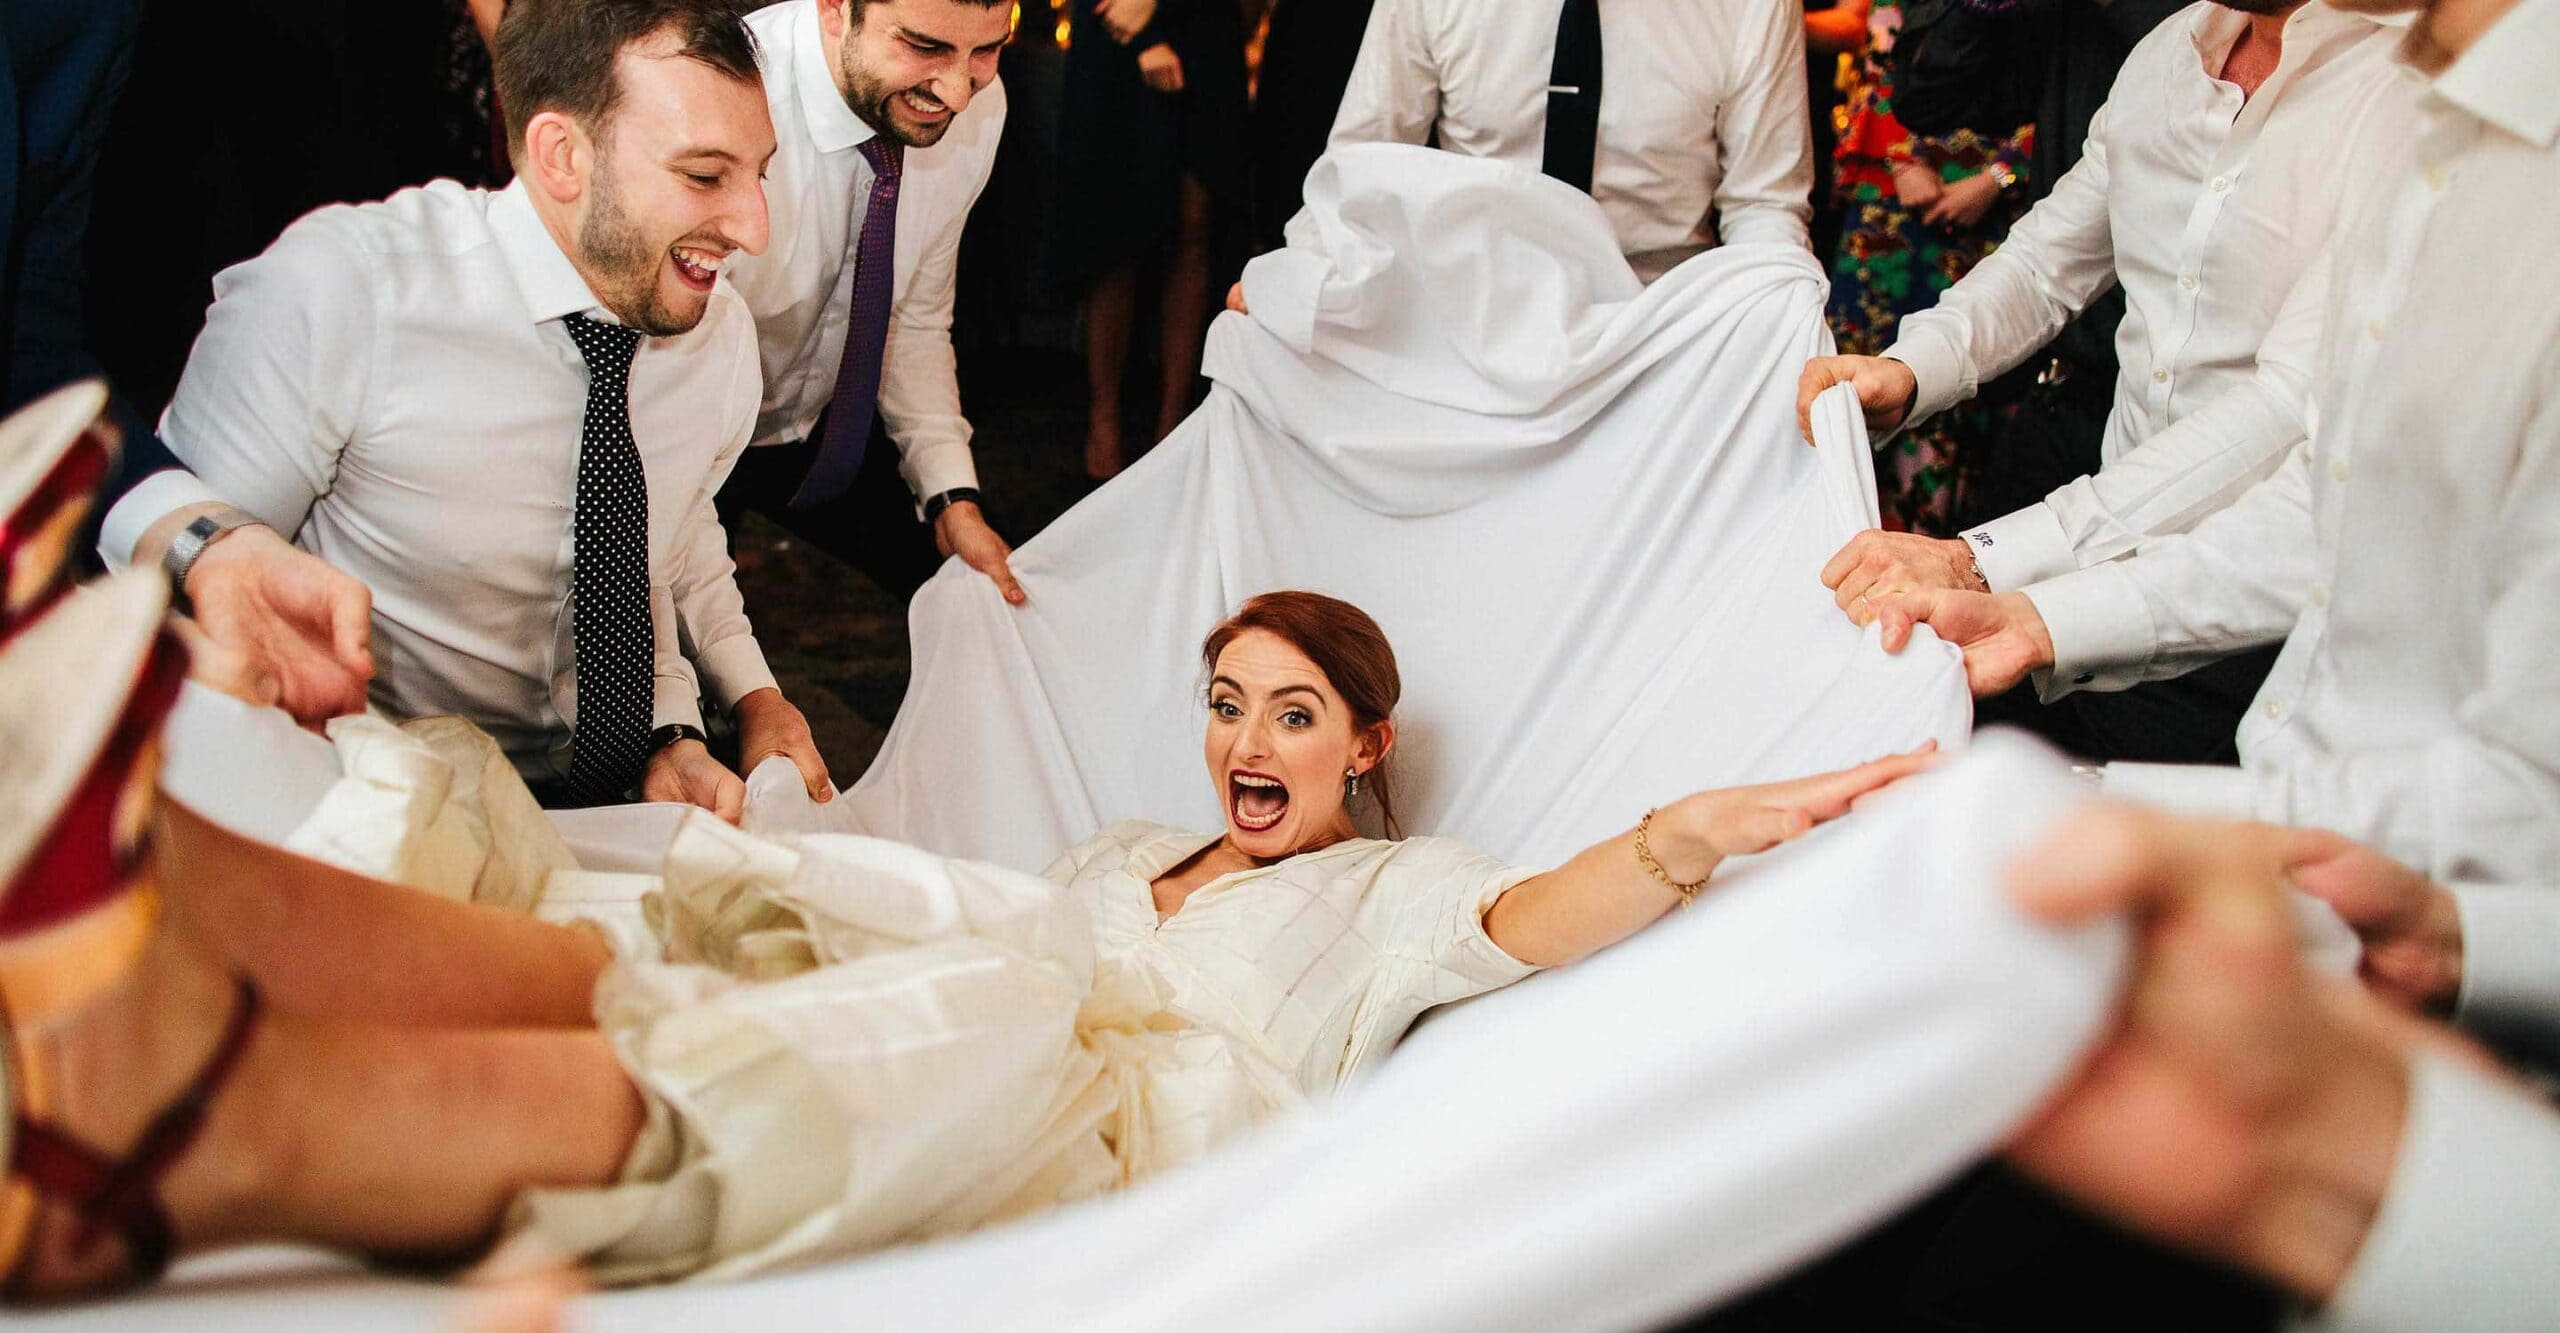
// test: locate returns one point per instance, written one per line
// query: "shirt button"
(2337, 469)
(2320, 594)
(2222, 185)
(2188, 282)
(2159, 377)
(2274, 709)
(2375, 328)
(2435, 178)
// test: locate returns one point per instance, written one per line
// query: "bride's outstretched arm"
(1607, 892)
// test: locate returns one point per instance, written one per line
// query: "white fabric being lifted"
(1830, 1033)
(1578, 506)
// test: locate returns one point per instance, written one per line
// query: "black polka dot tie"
(617, 648)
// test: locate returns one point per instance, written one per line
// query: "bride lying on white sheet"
(851, 1043)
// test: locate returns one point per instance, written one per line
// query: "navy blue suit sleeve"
(62, 66)
(144, 454)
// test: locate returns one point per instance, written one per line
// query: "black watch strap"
(933, 508)
(674, 732)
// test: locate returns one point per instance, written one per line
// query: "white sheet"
(1828, 1035)
(1578, 506)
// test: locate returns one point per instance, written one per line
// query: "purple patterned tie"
(866, 332)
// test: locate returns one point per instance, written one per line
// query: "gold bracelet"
(1644, 857)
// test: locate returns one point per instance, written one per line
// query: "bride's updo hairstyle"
(1346, 645)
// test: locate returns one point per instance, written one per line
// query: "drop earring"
(1354, 788)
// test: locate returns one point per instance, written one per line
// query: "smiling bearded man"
(887, 113)
(507, 412)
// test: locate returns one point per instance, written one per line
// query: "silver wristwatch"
(191, 543)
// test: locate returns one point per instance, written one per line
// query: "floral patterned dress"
(1890, 262)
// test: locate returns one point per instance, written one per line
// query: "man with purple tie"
(877, 170)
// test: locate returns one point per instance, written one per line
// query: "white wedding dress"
(849, 1043)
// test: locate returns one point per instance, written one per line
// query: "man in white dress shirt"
(2408, 553)
(1698, 109)
(2209, 190)
(853, 85)
(507, 413)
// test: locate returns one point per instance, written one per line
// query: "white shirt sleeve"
(2511, 964)
(2235, 582)
(2468, 1236)
(1764, 138)
(711, 612)
(919, 373)
(2056, 260)
(155, 498)
(1394, 92)
(2172, 481)
(277, 383)
(677, 695)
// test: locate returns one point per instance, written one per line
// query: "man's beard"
(625, 265)
(2259, 7)
(870, 98)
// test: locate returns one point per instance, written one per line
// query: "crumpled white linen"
(1579, 507)
(1831, 1032)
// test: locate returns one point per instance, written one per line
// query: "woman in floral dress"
(1917, 213)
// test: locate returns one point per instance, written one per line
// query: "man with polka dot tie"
(508, 412)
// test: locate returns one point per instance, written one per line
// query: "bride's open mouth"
(1256, 801)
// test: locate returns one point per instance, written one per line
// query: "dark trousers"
(1993, 1253)
(2053, 437)
(872, 526)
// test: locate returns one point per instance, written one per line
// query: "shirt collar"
(2217, 28)
(2316, 22)
(832, 125)
(2212, 31)
(2505, 78)
(549, 283)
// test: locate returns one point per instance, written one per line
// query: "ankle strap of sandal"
(124, 1197)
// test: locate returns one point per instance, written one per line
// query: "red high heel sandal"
(53, 454)
(84, 686)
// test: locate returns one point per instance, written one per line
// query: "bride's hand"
(1737, 821)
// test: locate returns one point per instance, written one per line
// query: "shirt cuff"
(2195, 791)
(1944, 378)
(733, 668)
(2101, 631)
(2510, 964)
(679, 700)
(158, 496)
(2026, 547)
(2469, 1227)
(1282, 290)
(931, 469)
